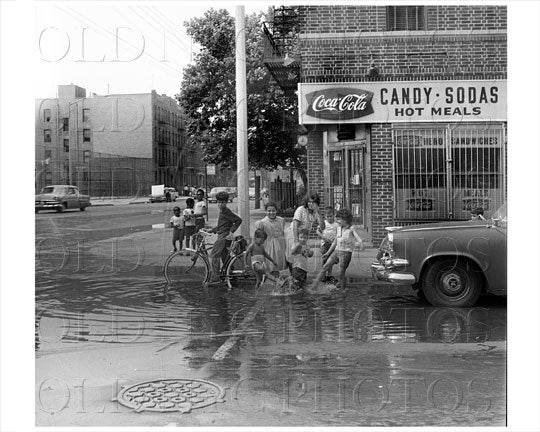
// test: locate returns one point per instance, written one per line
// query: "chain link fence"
(96, 174)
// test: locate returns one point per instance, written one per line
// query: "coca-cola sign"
(339, 103)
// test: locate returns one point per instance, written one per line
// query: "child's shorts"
(325, 247)
(189, 230)
(341, 257)
(259, 267)
(299, 274)
(178, 235)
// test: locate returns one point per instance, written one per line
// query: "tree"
(208, 97)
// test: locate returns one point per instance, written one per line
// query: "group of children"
(268, 249)
(186, 223)
(267, 254)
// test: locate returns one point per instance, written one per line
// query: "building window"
(66, 145)
(86, 135)
(48, 177)
(48, 154)
(47, 135)
(346, 132)
(86, 156)
(47, 115)
(65, 124)
(85, 114)
(86, 176)
(405, 18)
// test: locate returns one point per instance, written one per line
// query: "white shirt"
(188, 213)
(329, 232)
(200, 208)
(178, 221)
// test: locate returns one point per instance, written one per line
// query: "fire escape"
(281, 57)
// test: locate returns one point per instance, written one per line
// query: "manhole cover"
(170, 395)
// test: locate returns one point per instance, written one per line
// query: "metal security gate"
(443, 172)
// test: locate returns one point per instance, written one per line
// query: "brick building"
(405, 106)
(118, 144)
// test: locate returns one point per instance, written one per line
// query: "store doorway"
(347, 182)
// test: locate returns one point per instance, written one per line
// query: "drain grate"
(171, 395)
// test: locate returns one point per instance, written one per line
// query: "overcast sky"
(117, 48)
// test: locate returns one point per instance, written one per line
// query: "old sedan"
(449, 263)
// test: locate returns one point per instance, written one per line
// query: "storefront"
(437, 147)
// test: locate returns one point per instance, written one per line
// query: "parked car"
(215, 190)
(159, 194)
(251, 193)
(60, 198)
(449, 263)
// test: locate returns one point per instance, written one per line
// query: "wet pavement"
(374, 355)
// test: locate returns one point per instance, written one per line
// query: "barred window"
(47, 115)
(86, 135)
(405, 18)
(66, 145)
(47, 135)
(86, 114)
(65, 124)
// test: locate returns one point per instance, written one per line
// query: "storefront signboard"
(402, 101)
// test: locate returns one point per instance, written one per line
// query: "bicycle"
(193, 265)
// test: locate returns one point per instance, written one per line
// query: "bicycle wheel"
(187, 267)
(237, 274)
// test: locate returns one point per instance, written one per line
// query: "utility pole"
(241, 122)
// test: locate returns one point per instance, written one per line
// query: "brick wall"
(333, 19)
(315, 162)
(381, 180)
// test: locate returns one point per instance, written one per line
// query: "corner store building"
(424, 138)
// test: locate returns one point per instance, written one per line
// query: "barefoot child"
(189, 222)
(177, 224)
(328, 235)
(341, 249)
(256, 253)
(300, 252)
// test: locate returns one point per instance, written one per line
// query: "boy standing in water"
(177, 224)
(341, 249)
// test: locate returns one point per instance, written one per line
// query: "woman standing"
(304, 217)
(274, 226)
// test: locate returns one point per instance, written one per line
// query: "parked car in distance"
(215, 190)
(160, 194)
(450, 263)
(251, 193)
(60, 198)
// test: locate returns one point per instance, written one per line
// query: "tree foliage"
(208, 97)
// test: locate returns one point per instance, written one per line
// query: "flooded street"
(374, 355)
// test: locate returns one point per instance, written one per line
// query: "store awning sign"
(402, 101)
(339, 103)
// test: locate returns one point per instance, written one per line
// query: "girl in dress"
(305, 217)
(274, 227)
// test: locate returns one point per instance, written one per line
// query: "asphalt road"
(375, 355)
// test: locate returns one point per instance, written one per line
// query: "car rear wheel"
(451, 282)
(61, 208)
(83, 208)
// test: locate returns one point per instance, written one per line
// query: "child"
(189, 221)
(300, 252)
(274, 226)
(255, 251)
(227, 223)
(177, 223)
(341, 249)
(328, 235)
(200, 210)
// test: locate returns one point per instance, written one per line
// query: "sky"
(117, 48)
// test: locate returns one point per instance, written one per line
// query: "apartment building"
(113, 145)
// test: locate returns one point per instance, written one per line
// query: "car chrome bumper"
(48, 206)
(389, 274)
